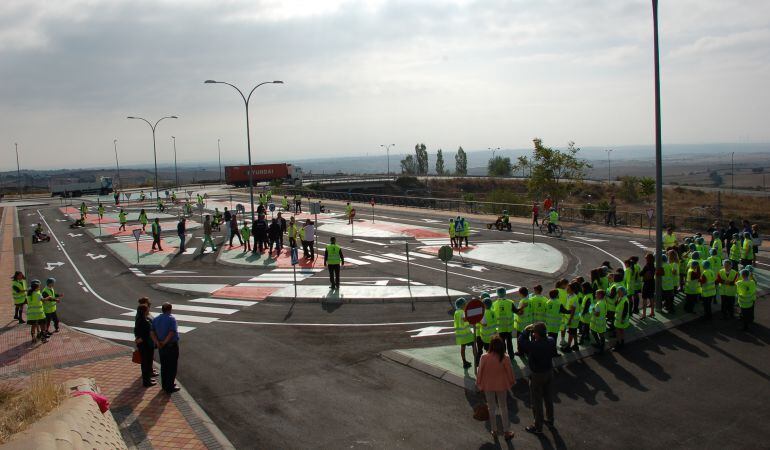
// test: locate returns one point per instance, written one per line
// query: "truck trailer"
(239, 175)
(68, 187)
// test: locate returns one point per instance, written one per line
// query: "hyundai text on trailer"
(239, 175)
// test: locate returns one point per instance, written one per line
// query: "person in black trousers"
(165, 334)
(539, 349)
(144, 343)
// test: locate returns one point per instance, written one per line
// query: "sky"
(358, 74)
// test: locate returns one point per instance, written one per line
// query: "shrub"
(21, 408)
(588, 211)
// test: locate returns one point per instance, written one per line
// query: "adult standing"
(535, 214)
(207, 235)
(181, 231)
(282, 223)
(308, 240)
(234, 232)
(729, 235)
(156, 230)
(539, 349)
(274, 235)
(334, 260)
(259, 230)
(19, 294)
(166, 338)
(226, 219)
(756, 240)
(612, 212)
(293, 232)
(495, 378)
(144, 341)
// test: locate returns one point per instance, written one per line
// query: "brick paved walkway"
(148, 417)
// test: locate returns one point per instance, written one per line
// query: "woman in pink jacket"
(495, 379)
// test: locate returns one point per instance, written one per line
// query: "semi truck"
(239, 175)
(69, 187)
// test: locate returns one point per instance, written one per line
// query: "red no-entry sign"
(371, 202)
(474, 311)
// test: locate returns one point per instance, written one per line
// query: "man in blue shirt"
(539, 348)
(166, 337)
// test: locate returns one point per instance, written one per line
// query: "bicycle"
(557, 230)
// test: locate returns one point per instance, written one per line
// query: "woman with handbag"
(144, 344)
(495, 379)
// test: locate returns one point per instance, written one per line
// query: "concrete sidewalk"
(148, 418)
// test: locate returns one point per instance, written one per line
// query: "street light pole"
(176, 172)
(732, 170)
(154, 148)
(248, 134)
(658, 160)
(609, 178)
(219, 151)
(117, 164)
(18, 170)
(387, 152)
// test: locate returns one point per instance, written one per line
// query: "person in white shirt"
(308, 239)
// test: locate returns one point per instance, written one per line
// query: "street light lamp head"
(210, 81)
(130, 117)
(278, 82)
(174, 117)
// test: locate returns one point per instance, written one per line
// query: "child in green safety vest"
(727, 277)
(537, 303)
(486, 328)
(708, 288)
(50, 301)
(572, 316)
(503, 310)
(553, 312)
(747, 250)
(19, 295)
(561, 286)
(122, 219)
(622, 317)
(669, 277)
(100, 210)
(35, 313)
(463, 334)
(746, 291)
(143, 219)
(246, 235)
(735, 251)
(598, 322)
(584, 312)
(452, 232)
(524, 314)
(692, 287)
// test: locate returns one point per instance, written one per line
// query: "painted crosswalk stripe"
(183, 318)
(203, 309)
(395, 256)
(117, 335)
(357, 262)
(375, 259)
(303, 270)
(223, 301)
(422, 255)
(128, 324)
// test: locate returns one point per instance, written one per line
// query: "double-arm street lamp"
(176, 172)
(18, 169)
(117, 164)
(246, 100)
(387, 152)
(154, 149)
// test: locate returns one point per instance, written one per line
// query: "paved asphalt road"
(287, 386)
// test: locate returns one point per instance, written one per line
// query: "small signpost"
(352, 228)
(271, 207)
(650, 214)
(474, 312)
(445, 254)
(294, 262)
(137, 234)
(315, 208)
(128, 198)
(408, 275)
(371, 202)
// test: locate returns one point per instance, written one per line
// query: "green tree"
(629, 189)
(439, 162)
(408, 165)
(461, 162)
(421, 157)
(716, 178)
(647, 186)
(555, 171)
(522, 163)
(499, 167)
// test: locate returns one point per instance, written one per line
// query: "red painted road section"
(93, 217)
(283, 261)
(398, 228)
(245, 292)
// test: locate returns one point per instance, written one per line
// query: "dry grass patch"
(20, 408)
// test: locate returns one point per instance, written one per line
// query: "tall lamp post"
(219, 152)
(154, 148)
(246, 100)
(658, 159)
(387, 152)
(176, 172)
(117, 164)
(732, 171)
(609, 178)
(18, 170)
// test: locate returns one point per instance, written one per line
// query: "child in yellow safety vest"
(463, 333)
(35, 312)
(524, 314)
(19, 294)
(598, 324)
(572, 316)
(51, 298)
(486, 328)
(622, 317)
(584, 312)
(504, 315)
(727, 277)
(746, 291)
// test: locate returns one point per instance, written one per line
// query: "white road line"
(84, 289)
(117, 335)
(128, 324)
(203, 309)
(223, 301)
(376, 259)
(77, 271)
(422, 255)
(184, 318)
(304, 270)
(369, 242)
(395, 256)
(279, 278)
(357, 262)
(334, 325)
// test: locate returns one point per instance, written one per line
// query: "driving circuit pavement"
(275, 370)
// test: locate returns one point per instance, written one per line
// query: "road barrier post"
(408, 275)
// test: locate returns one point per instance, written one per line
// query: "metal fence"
(570, 213)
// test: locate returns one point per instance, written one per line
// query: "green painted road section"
(444, 361)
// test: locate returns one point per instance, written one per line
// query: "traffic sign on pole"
(474, 311)
(137, 234)
(445, 253)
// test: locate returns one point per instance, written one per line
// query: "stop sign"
(474, 311)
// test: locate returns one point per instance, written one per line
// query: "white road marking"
(184, 318)
(370, 242)
(334, 325)
(395, 256)
(223, 301)
(430, 331)
(303, 270)
(357, 262)
(128, 324)
(84, 289)
(117, 335)
(376, 259)
(422, 255)
(203, 309)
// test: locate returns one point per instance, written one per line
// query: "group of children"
(459, 230)
(41, 305)
(584, 310)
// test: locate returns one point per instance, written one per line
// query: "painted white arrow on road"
(53, 265)
(62, 220)
(75, 235)
(430, 331)
(92, 256)
(468, 266)
(171, 272)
